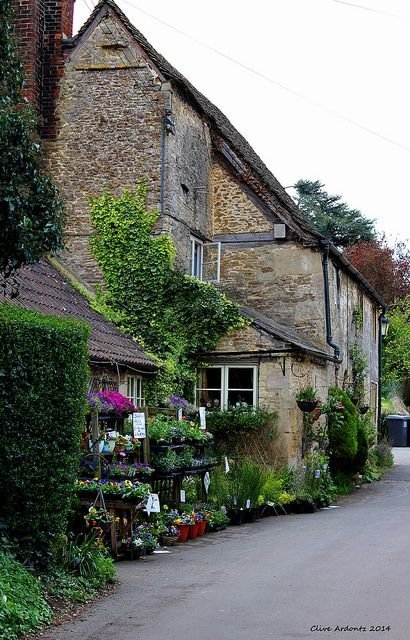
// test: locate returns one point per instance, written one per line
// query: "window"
(197, 252)
(205, 260)
(228, 385)
(134, 391)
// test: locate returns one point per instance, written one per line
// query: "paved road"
(338, 573)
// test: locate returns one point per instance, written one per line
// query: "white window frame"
(198, 245)
(135, 391)
(225, 379)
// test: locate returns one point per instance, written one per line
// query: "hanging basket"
(307, 406)
(103, 518)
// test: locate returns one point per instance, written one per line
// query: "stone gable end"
(110, 128)
(233, 211)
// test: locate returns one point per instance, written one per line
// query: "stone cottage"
(114, 111)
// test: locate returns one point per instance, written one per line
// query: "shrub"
(218, 519)
(342, 423)
(22, 605)
(218, 494)
(383, 455)
(318, 483)
(42, 408)
(231, 425)
(343, 483)
(84, 557)
(272, 487)
(362, 447)
(246, 480)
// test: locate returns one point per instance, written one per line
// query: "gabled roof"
(223, 129)
(42, 288)
(287, 334)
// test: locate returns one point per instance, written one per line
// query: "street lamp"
(384, 325)
(383, 329)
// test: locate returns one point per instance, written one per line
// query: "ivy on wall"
(173, 315)
(31, 211)
(359, 369)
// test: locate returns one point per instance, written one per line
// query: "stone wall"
(233, 211)
(186, 208)
(110, 130)
(348, 332)
(282, 281)
(280, 376)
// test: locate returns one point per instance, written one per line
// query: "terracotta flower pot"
(193, 531)
(183, 532)
(201, 527)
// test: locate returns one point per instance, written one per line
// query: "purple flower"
(110, 402)
(178, 403)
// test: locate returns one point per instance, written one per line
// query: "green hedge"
(43, 374)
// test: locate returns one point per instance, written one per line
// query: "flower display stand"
(124, 514)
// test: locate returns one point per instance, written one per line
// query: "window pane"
(130, 388)
(210, 267)
(241, 378)
(134, 391)
(196, 269)
(208, 399)
(236, 398)
(210, 378)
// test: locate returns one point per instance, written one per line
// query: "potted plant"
(170, 536)
(110, 403)
(98, 517)
(306, 398)
(218, 520)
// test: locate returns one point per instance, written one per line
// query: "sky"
(319, 88)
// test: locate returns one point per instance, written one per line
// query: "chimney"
(29, 23)
(41, 26)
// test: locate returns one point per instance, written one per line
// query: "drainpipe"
(162, 175)
(168, 126)
(325, 263)
(380, 374)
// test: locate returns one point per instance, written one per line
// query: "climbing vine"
(359, 369)
(173, 315)
(358, 318)
(31, 211)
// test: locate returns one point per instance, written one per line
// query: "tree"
(396, 350)
(31, 213)
(386, 268)
(332, 217)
